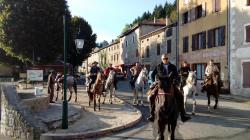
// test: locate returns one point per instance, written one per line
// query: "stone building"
(239, 22)
(203, 35)
(157, 42)
(130, 43)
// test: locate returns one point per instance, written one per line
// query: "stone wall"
(17, 120)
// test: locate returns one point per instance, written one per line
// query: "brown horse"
(95, 92)
(212, 88)
(166, 111)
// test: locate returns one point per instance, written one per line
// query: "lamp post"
(79, 41)
(65, 102)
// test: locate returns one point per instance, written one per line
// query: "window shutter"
(246, 74)
(248, 33)
(213, 5)
(189, 15)
(193, 14)
(209, 38)
(218, 5)
(222, 43)
(193, 43)
(203, 9)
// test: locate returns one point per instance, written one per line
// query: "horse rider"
(162, 71)
(93, 73)
(106, 73)
(51, 83)
(135, 71)
(212, 71)
(183, 73)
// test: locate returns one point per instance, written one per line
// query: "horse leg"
(142, 92)
(216, 101)
(161, 127)
(76, 97)
(94, 102)
(194, 104)
(208, 101)
(99, 102)
(70, 96)
(173, 126)
(104, 97)
(56, 95)
(110, 95)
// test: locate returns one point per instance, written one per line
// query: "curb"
(90, 134)
(236, 99)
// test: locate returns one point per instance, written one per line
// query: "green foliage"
(168, 10)
(89, 40)
(32, 28)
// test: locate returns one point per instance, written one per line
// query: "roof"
(157, 22)
(159, 29)
(115, 42)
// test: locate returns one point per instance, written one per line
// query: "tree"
(80, 24)
(32, 28)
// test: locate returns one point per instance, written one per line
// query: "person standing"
(163, 71)
(135, 71)
(51, 83)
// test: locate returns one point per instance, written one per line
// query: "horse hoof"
(215, 107)
(193, 113)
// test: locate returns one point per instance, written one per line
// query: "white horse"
(109, 86)
(140, 85)
(190, 89)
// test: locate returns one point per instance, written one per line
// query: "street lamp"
(79, 41)
(65, 102)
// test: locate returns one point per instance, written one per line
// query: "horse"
(109, 86)
(190, 88)
(212, 89)
(71, 84)
(166, 111)
(96, 89)
(140, 85)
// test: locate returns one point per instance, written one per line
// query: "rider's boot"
(152, 109)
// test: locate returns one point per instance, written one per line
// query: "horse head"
(191, 77)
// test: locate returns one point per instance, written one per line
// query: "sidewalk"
(84, 122)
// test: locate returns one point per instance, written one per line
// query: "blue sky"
(108, 17)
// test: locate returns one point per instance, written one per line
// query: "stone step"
(53, 116)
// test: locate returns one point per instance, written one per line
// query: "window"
(199, 41)
(169, 46)
(137, 53)
(216, 37)
(216, 5)
(248, 2)
(198, 12)
(185, 44)
(117, 57)
(133, 39)
(200, 70)
(185, 18)
(147, 51)
(246, 75)
(158, 49)
(169, 32)
(111, 57)
(126, 43)
(142, 53)
(247, 28)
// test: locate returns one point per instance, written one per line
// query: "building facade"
(156, 43)
(203, 35)
(130, 40)
(239, 22)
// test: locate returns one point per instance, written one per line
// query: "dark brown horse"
(212, 88)
(95, 92)
(166, 111)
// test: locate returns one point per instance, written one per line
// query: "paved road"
(230, 122)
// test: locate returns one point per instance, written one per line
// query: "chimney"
(167, 20)
(154, 20)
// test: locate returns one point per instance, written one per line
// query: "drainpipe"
(229, 43)
(177, 35)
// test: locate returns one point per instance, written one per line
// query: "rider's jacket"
(184, 71)
(94, 70)
(107, 70)
(210, 69)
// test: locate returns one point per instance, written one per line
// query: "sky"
(108, 17)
